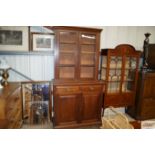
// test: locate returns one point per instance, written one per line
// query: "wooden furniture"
(145, 97)
(136, 124)
(10, 106)
(76, 53)
(77, 104)
(119, 67)
(77, 93)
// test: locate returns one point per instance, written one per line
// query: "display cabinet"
(77, 92)
(119, 67)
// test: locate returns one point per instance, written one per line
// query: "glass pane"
(68, 48)
(130, 63)
(129, 75)
(35, 98)
(87, 72)
(128, 86)
(103, 74)
(68, 37)
(113, 87)
(66, 72)
(115, 75)
(87, 59)
(115, 62)
(104, 61)
(67, 59)
(88, 38)
(87, 48)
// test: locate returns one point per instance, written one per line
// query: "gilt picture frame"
(14, 38)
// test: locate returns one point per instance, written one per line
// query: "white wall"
(113, 35)
(42, 67)
(36, 67)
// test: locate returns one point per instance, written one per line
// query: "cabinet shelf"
(69, 42)
(113, 81)
(87, 65)
(112, 68)
(71, 65)
(88, 43)
(85, 52)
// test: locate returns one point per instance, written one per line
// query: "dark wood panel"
(144, 107)
(77, 104)
(66, 109)
(91, 107)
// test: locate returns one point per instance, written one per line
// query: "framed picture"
(42, 42)
(14, 38)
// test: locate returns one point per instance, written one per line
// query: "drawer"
(91, 88)
(66, 89)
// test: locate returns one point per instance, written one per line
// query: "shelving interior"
(87, 55)
(115, 73)
(129, 74)
(67, 55)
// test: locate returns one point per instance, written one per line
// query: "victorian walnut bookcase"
(119, 67)
(77, 92)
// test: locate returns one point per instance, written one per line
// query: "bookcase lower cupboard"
(77, 104)
(10, 107)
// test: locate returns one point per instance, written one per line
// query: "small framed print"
(42, 42)
(14, 38)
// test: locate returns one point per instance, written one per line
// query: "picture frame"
(42, 42)
(14, 38)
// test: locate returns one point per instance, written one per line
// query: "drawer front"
(66, 89)
(91, 88)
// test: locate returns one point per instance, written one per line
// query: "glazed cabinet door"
(66, 57)
(66, 110)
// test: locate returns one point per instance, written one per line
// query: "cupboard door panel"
(66, 109)
(91, 108)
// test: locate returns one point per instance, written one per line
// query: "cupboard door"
(66, 108)
(91, 107)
